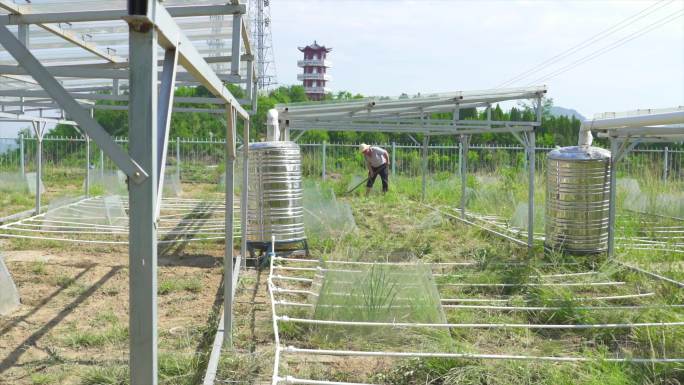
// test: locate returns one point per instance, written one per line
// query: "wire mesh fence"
(202, 160)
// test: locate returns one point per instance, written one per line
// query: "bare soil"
(71, 296)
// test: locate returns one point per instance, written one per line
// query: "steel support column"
(245, 191)
(87, 175)
(235, 48)
(143, 148)
(426, 141)
(614, 158)
(228, 262)
(39, 130)
(465, 144)
(164, 106)
(531, 139)
(178, 159)
(394, 159)
(23, 34)
(21, 154)
(323, 157)
(460, 157)
(666, 161)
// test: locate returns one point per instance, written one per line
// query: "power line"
(612, 46)
(590, 41)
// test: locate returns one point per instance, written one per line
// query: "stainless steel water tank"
(577, 198)
(275, 193)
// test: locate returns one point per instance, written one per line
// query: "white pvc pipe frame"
(205, 234)
(353, 353)
(276, 379)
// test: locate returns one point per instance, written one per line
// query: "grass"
(38, 268)
(115, 334)
(105, 330)
(391, 225)
(106, 375)
(174, 285)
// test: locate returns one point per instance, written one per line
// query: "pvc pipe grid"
(306, 288)
(661, 238)
(88, 221)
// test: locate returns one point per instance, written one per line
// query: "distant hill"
(560, 111)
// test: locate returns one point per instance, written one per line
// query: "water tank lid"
(579, 153)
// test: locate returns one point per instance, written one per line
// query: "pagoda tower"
(315, 65)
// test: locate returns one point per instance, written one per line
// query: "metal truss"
(91, 65)
(626, 130)
(414, 115)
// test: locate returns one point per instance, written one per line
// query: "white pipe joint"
(272, 126)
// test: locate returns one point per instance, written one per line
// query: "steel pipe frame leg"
(323, 156)
(143, 148)
(164, 107)
(39, 130)
(21, 154)
(530, 209)
(102, 165)
(426, 142)
(614, 158)
(618, 149)
(465, 145)
(87, 176)
(244, 193)
(228, 262)
(178, 159)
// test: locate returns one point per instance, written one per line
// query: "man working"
(377, 161)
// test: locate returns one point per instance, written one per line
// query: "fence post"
(87, 176)
(38, 128)
(324, 156)
(102, 165)
(21, 153)
(666, 161)
(178, 159)
(394, 159)
(460, 157)
(463, 166)
(426, 141)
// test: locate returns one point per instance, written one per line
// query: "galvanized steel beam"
(164, 107)
(57, 92)
(89, 72)
(25, 17)
(189, 58)
(228, 261)
(144, 148)
(59, 31)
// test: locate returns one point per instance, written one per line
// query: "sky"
(388, 47)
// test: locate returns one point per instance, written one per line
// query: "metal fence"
(201, 160)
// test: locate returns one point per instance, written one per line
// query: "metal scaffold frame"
(626, 130)
(93, 38)
(412, 115)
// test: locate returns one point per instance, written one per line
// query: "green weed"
(173, 285)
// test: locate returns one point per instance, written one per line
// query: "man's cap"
(363, 147)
